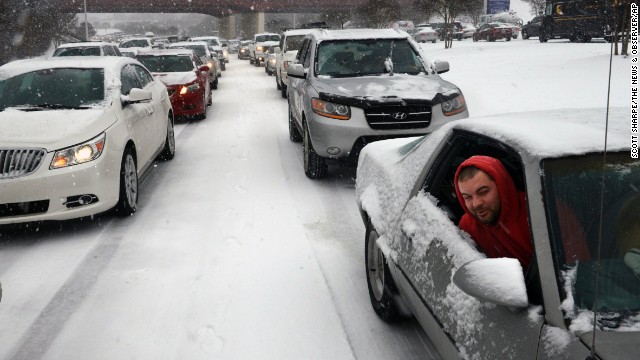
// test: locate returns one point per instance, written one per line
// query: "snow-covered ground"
(234, 253)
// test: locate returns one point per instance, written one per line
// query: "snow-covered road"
(233, 254)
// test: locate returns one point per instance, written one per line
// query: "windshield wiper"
(49, 106)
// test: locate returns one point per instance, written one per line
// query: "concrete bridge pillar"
(251, 24)
(227, 27)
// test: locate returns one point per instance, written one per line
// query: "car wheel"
(283, 90)
(214, 85)
(508, 38)
(475, 38)
(525, 36)
(542, 36)
(128, 199)
(250, 61)
(382, 289)
(169, 150)
(294, 133)
(315, 166)
(210, 102)
(277, 82)
(203, 114)
(433, 41)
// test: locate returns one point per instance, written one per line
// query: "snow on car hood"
(51, 129)
(176, 78)
(385, 87)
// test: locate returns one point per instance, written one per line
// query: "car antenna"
(592, 353)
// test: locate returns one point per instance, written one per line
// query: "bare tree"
(380, 13)
(537, 6)
(449, 10)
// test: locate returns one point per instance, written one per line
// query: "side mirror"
(136, 96)
(277, 50)
(296, 71)
(441, 66)
(499, 281)
(204, 68)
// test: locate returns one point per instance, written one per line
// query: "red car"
(493, 32)
(184, 75)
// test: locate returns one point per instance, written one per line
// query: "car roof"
(85, 44)
(270, 43)
(111, 64)
(299, 32)
(204, 37)
(355, 34)
(189, 43)
(165, 52)
(554, 133)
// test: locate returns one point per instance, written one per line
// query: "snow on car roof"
(189, 43)
(299, 32)
(354, 34)
(270, 43)
(82, 44)
(164, 52)
(555, 133)
(204, 37)
(110, 64)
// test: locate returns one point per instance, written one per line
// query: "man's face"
(481, 197)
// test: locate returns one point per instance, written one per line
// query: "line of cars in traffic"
(348, 88)
(90, 117)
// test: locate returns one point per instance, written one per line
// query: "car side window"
(461, 146)
(307, 56)
(108, 51)
(128, 79)
(302, 51)
(143, 75)
(439, 183)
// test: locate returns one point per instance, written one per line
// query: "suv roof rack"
(311, 25)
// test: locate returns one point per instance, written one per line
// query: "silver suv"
(350, 87)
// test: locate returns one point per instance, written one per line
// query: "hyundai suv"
(350, 87)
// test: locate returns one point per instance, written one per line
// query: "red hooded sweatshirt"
(509, 236)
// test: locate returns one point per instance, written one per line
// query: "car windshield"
(367, 57)
(77, 51)
(210, 42)
(134, 43)
(200, 50)
(572, 192)
(293, 42)
(262, 38)
(169, 63)
(53, 88)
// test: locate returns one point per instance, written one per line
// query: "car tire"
(315, 166)
(277, 81)
(283, 90)
(214, 85)
(475, 38)
(294, 133)
(128, 198)
(508, 38)
(542, 36)
(203, 114)
(525, 36)
(382, 289)
(210, 102)
(169, 149)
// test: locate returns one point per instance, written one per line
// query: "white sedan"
(76, 135)
(424, 34)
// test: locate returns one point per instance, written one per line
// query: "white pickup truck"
(257, 50)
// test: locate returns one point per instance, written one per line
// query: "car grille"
(19, 162)
(397, 117)
(24, 208)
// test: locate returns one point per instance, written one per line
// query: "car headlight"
(190, 88)
(258, 48)
(225, 53)
(454, 106)
(330, 110)
(79, 154)
(210, 64)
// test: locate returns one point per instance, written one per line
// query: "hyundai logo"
(399, 116)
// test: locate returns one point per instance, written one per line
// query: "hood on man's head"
(506, 186)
